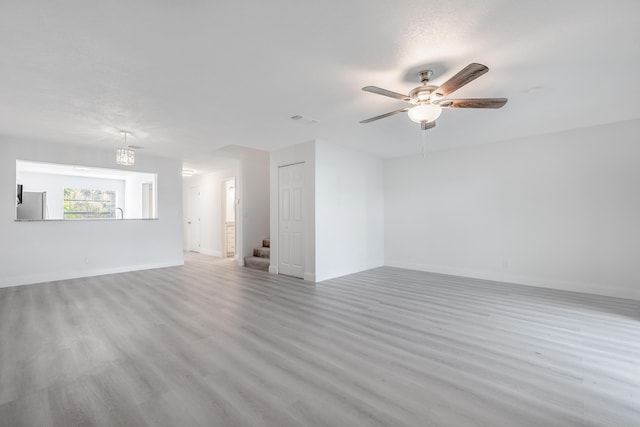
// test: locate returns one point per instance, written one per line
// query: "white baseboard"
(211, 252)
(273, 269)
(76, 274)
(346, 271)
(495, 276)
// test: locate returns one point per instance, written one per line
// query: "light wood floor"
(214, 344)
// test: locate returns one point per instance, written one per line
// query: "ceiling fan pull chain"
(424, 140)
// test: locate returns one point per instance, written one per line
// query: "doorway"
(147, 200)
(193, 220)
(228, 198)
(291, 221)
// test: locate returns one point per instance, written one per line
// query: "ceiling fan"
(428, 100)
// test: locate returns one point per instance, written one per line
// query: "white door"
(193, 220)
(290, 220)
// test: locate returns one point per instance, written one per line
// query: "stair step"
(262, 252)
(266, 243)
(257, 263)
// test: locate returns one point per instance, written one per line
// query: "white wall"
(211, 221)
(252, 225)
(300, 153)
(33, 252)
(133, 194)
(559, 210)
(343, 204)
(349, 211)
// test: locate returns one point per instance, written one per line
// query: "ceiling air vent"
(303, 120)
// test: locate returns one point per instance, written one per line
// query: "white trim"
(76, 274)
(309, 277)
(550, 283)
(273, 269)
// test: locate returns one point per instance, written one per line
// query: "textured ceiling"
(190, 77)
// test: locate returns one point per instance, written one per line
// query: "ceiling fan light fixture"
(424, 113)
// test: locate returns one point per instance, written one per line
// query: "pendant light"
(125, 155)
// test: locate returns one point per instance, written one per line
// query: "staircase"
(260, 259)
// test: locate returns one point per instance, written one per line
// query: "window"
(56, 191)
(84, 204)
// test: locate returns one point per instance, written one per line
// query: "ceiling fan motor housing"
(425, 75)
(422, 93)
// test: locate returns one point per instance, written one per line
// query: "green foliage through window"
(84, 204)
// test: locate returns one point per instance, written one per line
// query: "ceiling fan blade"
(473, 103)
(382, 116)
(466, 75)
(135, 147)
(380, 91)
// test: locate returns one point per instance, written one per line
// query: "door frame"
(190, 230)
(223, 216)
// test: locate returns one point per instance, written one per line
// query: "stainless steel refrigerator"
(33, 206)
